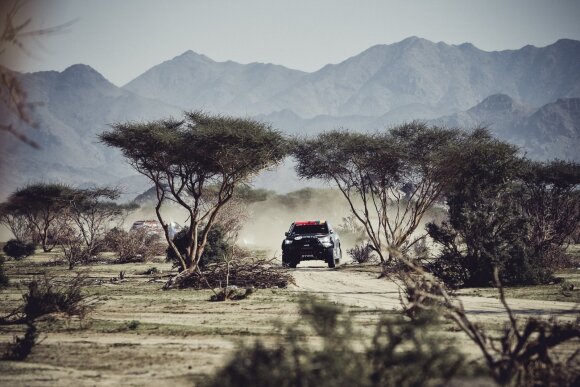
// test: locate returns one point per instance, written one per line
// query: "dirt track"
(365, 290)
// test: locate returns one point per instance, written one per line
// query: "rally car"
(311, 240)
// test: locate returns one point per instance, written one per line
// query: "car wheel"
(287, 261)
(331, 263)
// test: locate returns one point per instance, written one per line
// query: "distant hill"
(528, 96)
(73, 107)
(551, 131)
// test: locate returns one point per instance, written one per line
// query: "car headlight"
(287, 241)
(325, 239)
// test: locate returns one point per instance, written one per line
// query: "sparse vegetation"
(401, 353)
(215, 248)
(43, 206)
(22, 346)
(133, 246)
(521, 355)
(45, 297)
(361, 253)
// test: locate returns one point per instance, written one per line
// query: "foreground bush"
(18, 249)
(401, 353)
(46, 297)
(523, 353)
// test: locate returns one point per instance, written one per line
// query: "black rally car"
(311, 240)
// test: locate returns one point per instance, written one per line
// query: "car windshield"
(301, 229)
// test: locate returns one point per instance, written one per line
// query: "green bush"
(215, 249)
(505, 212)
(401, 353)
(18, 249)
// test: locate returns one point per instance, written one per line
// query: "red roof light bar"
(308, 222)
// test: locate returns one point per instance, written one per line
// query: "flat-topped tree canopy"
(389, 178)
(185, 158)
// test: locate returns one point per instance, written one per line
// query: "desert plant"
(215, 248)
(17, 249)
(45, 297)
(43, 206)
(133, 246)
(16, 221)
(361, 253)
(74, 250)
(320, 350)
(523, 351)
(507, 213)
(92, 212)
(197, 163)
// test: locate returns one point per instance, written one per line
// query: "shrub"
(215, 249)
(18, 249)
(401, 353)
(362, 253)
(506, 213)
(45, 297)
(134, 246)
(74, 250)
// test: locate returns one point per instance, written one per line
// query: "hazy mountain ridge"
(192, 80)
(444, 78)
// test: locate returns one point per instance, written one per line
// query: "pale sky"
(123, 38)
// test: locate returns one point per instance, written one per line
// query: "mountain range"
(528, 96)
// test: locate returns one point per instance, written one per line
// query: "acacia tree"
(197, 163)
(389, 179)
(551, 202)
(42, 205)
(91, 213)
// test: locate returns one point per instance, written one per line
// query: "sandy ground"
(366, 291)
